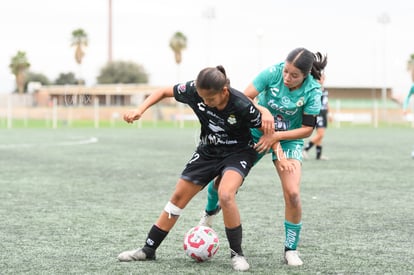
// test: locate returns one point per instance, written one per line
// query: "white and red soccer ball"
(201, 243)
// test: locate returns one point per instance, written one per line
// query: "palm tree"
(410, 66)
(19, 64)
(178, 42)
(79, 41)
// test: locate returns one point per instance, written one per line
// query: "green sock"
(292, 232)
(212, 197)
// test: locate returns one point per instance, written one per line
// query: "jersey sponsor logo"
(181, 88)
(215, 128)
(281, 124)
(272, 104)
(285, 100)
(210, 113)
(217, 140)
(243, 164)
(232, 120)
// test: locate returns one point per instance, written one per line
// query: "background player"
(321, 125)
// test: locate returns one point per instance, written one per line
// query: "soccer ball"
(201, 243)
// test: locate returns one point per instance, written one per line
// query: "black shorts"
(322, 120)
(201, 169)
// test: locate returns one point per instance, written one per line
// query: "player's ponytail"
(319, 65)
(308, 62)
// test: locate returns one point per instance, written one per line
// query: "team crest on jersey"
(232, 119)
(181, 88)
(299, 103)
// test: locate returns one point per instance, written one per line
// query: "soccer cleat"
(292, 258)
(239, 263)
(323, 158)
(207, 219)
(134, 255)
(305, 154)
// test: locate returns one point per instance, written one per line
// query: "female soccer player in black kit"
(225, 151)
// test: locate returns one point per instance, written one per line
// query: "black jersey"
(222, 131)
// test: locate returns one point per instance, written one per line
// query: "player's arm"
(267, 141)
(154, 98)
(268, 122)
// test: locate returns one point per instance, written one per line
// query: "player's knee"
(293, 199)
(226, 198)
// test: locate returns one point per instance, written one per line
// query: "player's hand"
(285, 165)
(132, 115)
(265, 143)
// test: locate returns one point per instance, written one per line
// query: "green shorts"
(291, 148)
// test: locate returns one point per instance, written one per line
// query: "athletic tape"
(172, 210)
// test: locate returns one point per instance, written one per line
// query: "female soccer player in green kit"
(292, 94)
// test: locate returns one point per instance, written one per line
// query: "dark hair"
(212, 78)
(308, 62)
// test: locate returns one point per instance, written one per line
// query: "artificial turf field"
(72, 199)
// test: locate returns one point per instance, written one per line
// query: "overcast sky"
(243, 35)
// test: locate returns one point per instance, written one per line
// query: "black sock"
(234, 236)
(318, 151)
(154, 239)
(310, 145)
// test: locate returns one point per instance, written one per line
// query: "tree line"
(114, 72)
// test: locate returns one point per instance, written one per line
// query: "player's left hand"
(285, 165)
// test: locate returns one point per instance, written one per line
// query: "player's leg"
(183, 193)
(321, 133)
(227, 190)
(212, 207)
(293, 211)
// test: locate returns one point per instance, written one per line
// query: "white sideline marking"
(62, 143)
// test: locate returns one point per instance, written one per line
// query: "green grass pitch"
(70, 205)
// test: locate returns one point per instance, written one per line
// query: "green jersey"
(287, 107)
